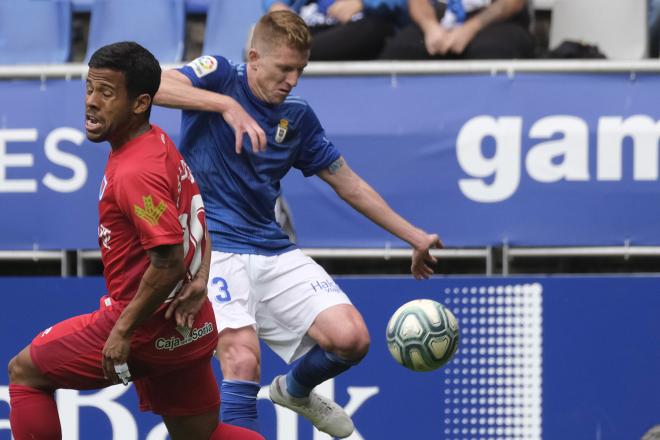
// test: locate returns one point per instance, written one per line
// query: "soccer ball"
(422, 335)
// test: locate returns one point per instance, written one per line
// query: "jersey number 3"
(221, 284)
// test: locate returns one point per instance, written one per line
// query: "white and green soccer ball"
(422, 335)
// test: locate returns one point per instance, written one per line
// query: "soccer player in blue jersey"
(260, 284)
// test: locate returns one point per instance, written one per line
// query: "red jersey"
(148, 198)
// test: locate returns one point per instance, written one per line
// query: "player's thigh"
(239, 354)
(69, 353)
(229, 291)
(189, 390)
(296, 292)
(22, 371)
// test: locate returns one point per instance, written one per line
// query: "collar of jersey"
(133, 141)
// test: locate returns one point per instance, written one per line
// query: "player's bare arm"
(177, 91)
(161, 277)
(189, 301)
(363, 198)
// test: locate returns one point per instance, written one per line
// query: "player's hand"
(115, 352)
(435, 40)
(422, 257)
(344, 10)
(243, 124)
(187, 303)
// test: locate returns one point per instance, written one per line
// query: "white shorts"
(280, 296)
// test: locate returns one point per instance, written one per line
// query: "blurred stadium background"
(541, 177)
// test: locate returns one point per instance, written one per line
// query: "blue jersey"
(239, 191)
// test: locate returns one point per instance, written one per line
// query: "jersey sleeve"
(145, 198)
(208, 72)
(317, 152)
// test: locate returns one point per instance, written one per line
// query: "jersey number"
(193, 233)
(223, 289)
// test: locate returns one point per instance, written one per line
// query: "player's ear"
(141, 103)
(252, 56)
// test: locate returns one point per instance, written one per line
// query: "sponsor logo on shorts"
(328, 286)
(193, 335)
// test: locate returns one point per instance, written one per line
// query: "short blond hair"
(283, 27)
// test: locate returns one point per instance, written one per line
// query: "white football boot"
(325, 414)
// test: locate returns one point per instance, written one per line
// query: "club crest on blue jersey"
(282, 128)
(104, 185)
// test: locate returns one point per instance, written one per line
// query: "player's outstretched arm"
(363, 198)
(177, 91)
(165, 271)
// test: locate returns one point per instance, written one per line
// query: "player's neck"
(254, 87)
(128, 134)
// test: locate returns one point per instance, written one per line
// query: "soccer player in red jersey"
(155, 326)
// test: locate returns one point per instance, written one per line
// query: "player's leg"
(343, 340)
(238, 346)
(230, 432)
(187, 397)
(30, 393)
(199, 426)
(305, 298)
(240, 362)
(206, 426)
(66, 355)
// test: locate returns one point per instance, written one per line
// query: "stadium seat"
(158, 25)
(35, 32)
(82, 5)
(197, 6)
(618, 28)
(228, 25)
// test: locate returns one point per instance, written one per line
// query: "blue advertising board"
(550, 358)
(531, 159)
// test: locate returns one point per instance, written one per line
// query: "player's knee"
(238, 362)
(15, 371)
(352, 343)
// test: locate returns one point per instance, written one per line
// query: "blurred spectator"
(654, 28)
(464, 29)
(346, 29)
